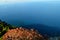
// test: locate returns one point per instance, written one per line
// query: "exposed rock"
(22, 34)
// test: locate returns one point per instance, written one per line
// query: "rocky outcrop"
(22, 34)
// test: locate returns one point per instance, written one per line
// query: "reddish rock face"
(22, 34)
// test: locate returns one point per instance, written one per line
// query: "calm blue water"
(47, 13)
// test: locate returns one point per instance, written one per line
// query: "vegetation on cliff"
(4, 27)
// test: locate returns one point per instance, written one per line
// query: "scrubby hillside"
(4, 27)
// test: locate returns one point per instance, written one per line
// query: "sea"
(46, 14)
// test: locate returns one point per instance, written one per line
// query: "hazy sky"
(4, 1)
(22, 1)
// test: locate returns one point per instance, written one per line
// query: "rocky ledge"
(22, 34)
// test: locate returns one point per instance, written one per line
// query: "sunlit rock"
(22, 34)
